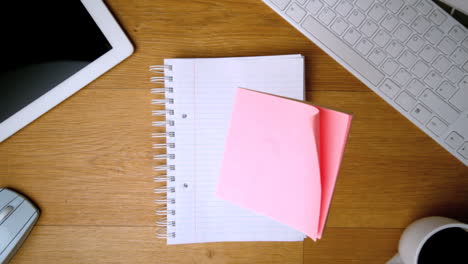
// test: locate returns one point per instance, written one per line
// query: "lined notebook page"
(203, 93)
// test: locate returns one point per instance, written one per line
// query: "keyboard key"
(433, 79)
(457, 33)
(437, 126)
(339, 26)
(448, 24)
(359, 64)
(364, 46)
(424, 6)
(302, 2)
(356, 17)
(421, 114)
(465, 67)
(352, 36)
(394, 5)
(441, 64)
(415, 87)
(447, 45)
(296, 12)
(377, 56)
(421, 25)
(382, 38)
(377, 12)
(281, 3)
(331, 2)
(406, 101)
(369, 28)
(415, 43)
(364, 4)
(434, 35)
(402, 33)
(439, 106)
(407, 14)
(390, 22)
(459, 99)
(459, 56)
(394, 48)
(446, 90)
(464, 83)
(465, 43)
(402, 77)
(455, 74)
(428, 53)
(407, 59)
(437, 17)
(460, 125)
(464, 150)
(420, 69)
(390, 66)
(389, 88)
(326, 16)
(344, 7)
(314, 6)
(454, 140)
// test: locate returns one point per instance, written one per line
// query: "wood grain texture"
(353, 246)
(88, 162)
(125, 244)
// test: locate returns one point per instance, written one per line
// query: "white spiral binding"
(166, 201)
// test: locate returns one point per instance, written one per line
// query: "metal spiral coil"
(163, 135)
(164, 189)
(160, 68)
(164, 156)
(163, 112)
(163, 234)
(164, 178)
(163, 145)
(163, 123)
(165, 223)
(164, 168)
(161, 79)
(164, 212)
(162, 101)
(166, 200)
(162, 90)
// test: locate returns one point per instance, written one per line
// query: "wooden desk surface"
(87, 163)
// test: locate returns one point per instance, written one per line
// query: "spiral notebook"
(198, 99)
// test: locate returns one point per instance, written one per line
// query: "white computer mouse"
(17, 218)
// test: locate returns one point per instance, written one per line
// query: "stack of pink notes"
(282, 158)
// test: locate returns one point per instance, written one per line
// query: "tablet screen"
(44, 43)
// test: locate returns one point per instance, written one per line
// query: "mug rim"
(434, 231)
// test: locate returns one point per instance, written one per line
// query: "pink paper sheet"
(281, 159)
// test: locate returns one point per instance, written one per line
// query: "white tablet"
(51, 49)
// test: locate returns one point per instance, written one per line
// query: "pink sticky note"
(273, 159)
(334, 130)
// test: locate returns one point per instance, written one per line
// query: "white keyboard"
(412, 53)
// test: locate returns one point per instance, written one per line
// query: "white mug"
(416, 235)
